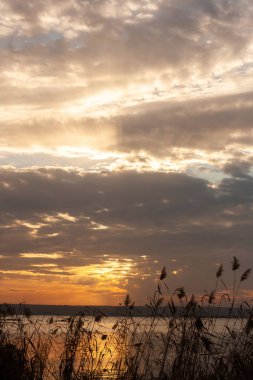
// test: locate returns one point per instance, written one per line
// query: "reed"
(188, 348)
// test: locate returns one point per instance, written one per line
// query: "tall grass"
(189, 346)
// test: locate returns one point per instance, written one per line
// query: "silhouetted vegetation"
(188, 346)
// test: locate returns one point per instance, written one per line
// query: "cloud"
(154, 213)
(209, 124)
(195, 133)
(63, 74)
(176, 45)
(238, 169)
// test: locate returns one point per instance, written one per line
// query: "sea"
(107, 332)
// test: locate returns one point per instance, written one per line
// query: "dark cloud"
(209, 124)
(238, 169)
(151, 213)
(63, 191)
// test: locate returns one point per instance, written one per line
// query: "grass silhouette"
(188, 347)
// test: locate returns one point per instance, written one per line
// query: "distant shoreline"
(116, 311)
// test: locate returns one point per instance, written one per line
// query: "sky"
(126, 145)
